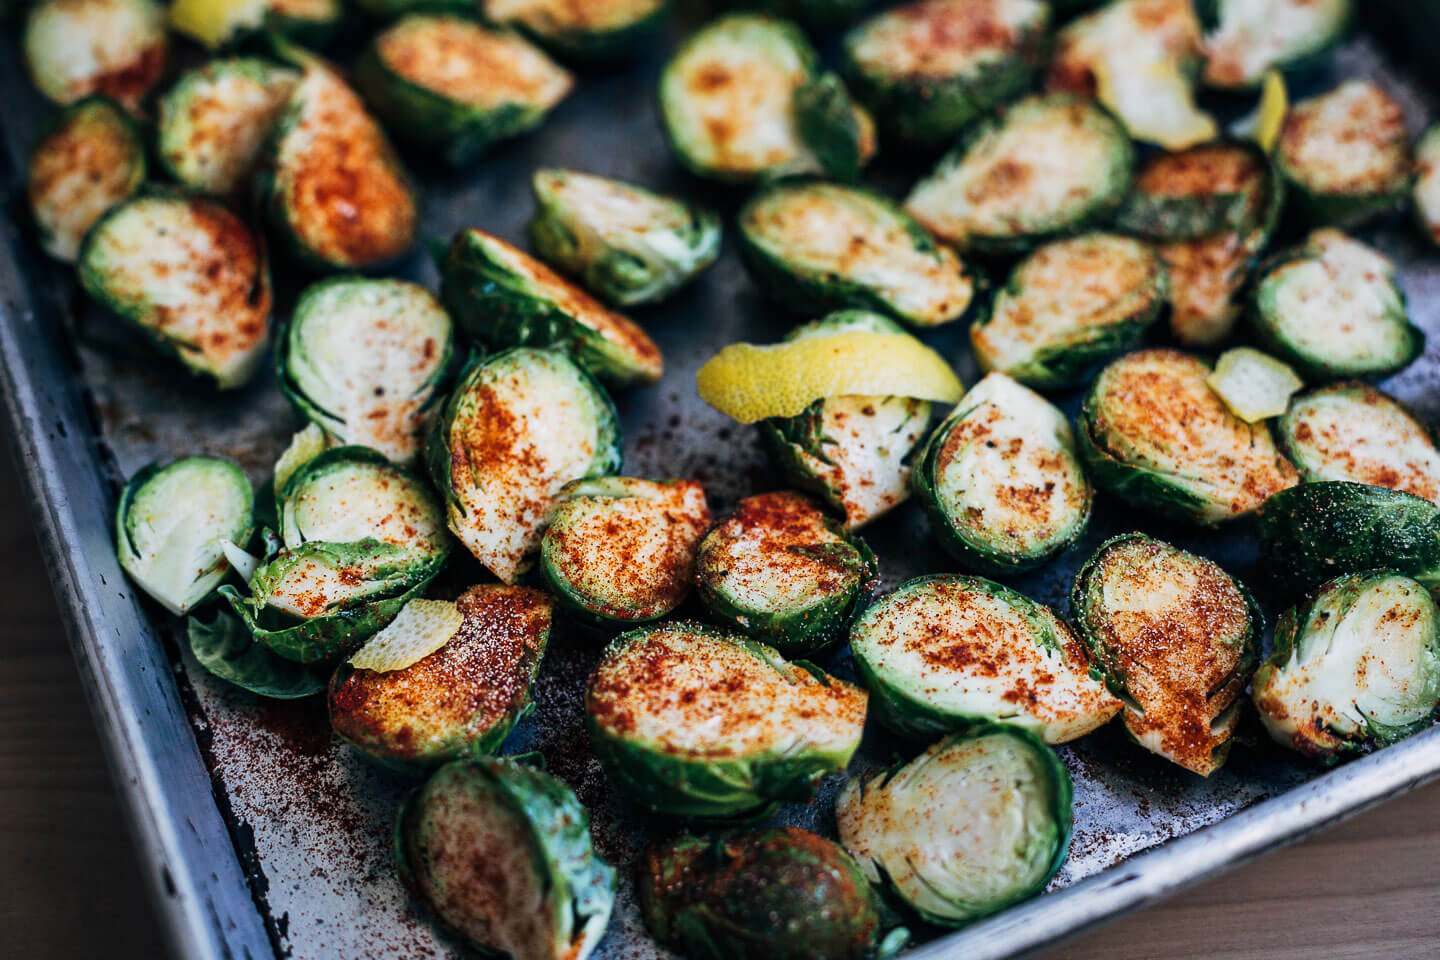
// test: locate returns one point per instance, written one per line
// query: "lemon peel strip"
(422, 627)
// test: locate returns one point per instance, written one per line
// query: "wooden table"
(70, 886)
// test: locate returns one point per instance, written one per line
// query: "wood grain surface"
(70, 886)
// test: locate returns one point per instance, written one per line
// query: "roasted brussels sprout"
(170, 524)
(91, 160)
(1176, 638)
(1345, 155)
(1245, 38)
(694, 722)
(1357, 665)
(627, 245)
(311, 22)
(743, 98)
(1042, 168)
(504, 297)
(974, 824)
(1331, 308)
(783, 893)
(1000, 479)
(116, 48)
(462, 698)
(605, 30)
(519, 426)
(222, 24)
(365, 359)
(189, 277)
(622, 550)
(929, 67)
(1155, 435)
(1069, 307)
(1426, 194)
(816, 246)
(501, 854)
(782, 570)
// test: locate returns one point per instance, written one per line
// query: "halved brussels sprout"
(91, 160)
(694, 722)
(1042, 168)
(504, 297)
(1345, 155)
(929, 67)
(365, 359)
(462, 699)
(974, 824)
(1176, 638)
(1426, 198)
(1223, 185)
(519, 426)
(500, 852)
(332, 185)
(743, 98)
(1331, 308)
(1154, 435)
(116, 48)
(1069, 307)
(621, 550)
(604, 30)
(170, 522)
(1000, 479)
(627, 245)
(1207, 277)
(1358, 665)
(816, 246)
(1246, 38)
(189, 277)
(213, 122)
(782, 570)
(450, 85)
(782, 893)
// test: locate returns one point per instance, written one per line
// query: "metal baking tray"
(263, 836)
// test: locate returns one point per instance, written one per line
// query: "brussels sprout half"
(170, 522)
(504, 297)
(189, 277)
(974, 824)
(782, 893)
(816, 246)
(695, 722)
(627, 245)
(1176, 638)
(1069, 307)
(1426, 195)
(591, 31)
(90, 161)
(519, 426)
(1039, 169)
(500, 852)
(1154, 434)
(365, 359)
(1246, 38)
(1222, 185)
(116, 48)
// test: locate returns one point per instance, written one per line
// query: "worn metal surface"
(310, 821)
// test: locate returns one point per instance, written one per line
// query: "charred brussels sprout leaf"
(592, 31)
(1246, 38)
(226, 649)
(116, 48)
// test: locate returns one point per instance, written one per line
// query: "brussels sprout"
(1426, 194)
(621, 550)
(1176, 638)
(365, 359)
(1345, 155)
(1154, 435)
(1246, 38)
(1042, 168)
(1069, 307)
(116, 48)
(453, 87)
(219, 24)
(501, 854)
(816, 246)
(519, 426)
(929, 67)
(782, 570)
(91, 160)
(592, 31)
(311, 22)
(1357, 665)
(782, 893)
(227, 650)
(1331, 308)
(189, 277)
(974, 824)
(213, 122)
(1223, 185)
(694, 722)
(627, 245)
(170, 522)
(332, 186)
(743, 98)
